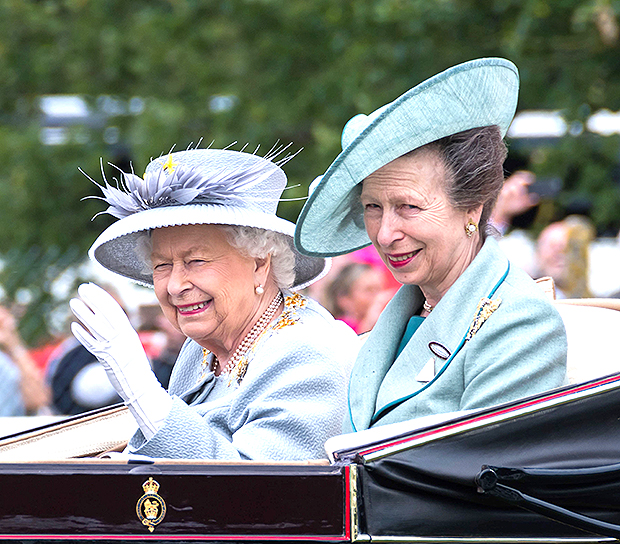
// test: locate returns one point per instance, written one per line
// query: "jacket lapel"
(186, 381)
(377, 353)
(383, 383)
(198, 393)
(444, 327)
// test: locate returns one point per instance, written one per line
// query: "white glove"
(110, 337)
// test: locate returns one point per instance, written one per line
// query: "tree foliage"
(259, 71)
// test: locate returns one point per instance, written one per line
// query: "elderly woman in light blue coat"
(264, 371)
(418, 178)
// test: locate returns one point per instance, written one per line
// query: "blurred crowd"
(566, 249)
(356, 288)
(63, 378)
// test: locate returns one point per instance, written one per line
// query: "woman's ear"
(475, 213)
(262, 269)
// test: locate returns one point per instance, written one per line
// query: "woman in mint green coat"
(419, 178)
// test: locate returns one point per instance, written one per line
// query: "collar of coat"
(377, 379)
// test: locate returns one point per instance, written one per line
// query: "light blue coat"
(291, 400)
(11, 402)
(519, 349)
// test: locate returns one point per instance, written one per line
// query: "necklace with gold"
(246, 343)
(428, 307)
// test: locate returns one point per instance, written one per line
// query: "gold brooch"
(486, 307)
(295, 301)
(151, 508)
(289, 316)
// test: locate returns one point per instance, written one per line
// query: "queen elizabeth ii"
(264, 371)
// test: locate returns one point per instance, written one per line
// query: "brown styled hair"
(474, 161)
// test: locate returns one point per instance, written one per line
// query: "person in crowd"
(22, 388)
(163, 361)
(551, 256)
(514, 199)
(368, 256)
(524, 200)
(581, 235)
(149, 331)
(517, 205)
(562, 254)
(357, 295)
(264, 373)
(418, 178)
(77, 380)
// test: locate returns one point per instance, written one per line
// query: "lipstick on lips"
(192, 309)
(402, 259)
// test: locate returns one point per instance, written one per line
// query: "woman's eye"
(160, 266)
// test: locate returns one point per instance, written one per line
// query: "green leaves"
(258, 71)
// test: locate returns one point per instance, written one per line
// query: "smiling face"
(204, 286)
(416, 230)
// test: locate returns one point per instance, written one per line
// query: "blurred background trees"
(142, 76)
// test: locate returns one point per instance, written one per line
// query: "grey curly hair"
(258, 243)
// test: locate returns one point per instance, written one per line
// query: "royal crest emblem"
(151, 508)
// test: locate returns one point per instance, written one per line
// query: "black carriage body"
(424, 485)
(560, 452)
(101, 500)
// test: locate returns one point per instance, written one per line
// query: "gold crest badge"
(151, 508)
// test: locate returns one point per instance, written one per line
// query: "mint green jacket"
(517, 348)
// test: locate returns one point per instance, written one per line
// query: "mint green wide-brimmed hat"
(474, 94)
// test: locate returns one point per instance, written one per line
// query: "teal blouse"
(414, 322)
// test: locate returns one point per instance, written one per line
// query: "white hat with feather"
(197, 186)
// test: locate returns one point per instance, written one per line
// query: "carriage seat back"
(593, 334)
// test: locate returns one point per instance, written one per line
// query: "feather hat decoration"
(194, 179)
(197, 186)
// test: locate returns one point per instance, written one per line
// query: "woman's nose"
(178, 280)
(388, 231)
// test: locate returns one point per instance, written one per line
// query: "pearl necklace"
(428, 307)
(249, 339)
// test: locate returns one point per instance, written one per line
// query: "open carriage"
(541, 469)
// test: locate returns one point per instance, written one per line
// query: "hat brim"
(118, 247)
(474, 94)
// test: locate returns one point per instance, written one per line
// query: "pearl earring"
(259, 290)
(470, 228)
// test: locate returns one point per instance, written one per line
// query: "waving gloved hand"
(109, 336)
